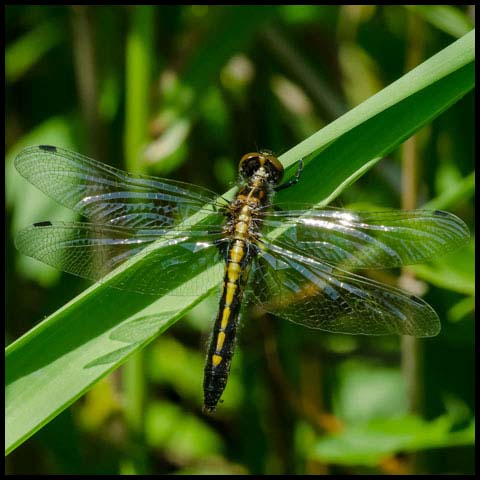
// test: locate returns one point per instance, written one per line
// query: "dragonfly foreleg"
(293, 180)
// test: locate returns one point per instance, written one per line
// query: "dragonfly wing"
(106, 195)
(317, 295)
(366, 239)
(92, 251)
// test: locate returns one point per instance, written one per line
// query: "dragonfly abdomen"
(242, 229)
(222, 342)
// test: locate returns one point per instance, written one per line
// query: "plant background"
(184, 91)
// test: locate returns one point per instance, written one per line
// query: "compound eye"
(249, 164)
(275, 168)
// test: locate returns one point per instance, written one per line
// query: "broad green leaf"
(182, 436)
(366, 391)
(369, 443)
(56, 362)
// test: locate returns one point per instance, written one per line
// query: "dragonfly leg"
(293, 180)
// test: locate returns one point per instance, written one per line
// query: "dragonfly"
(294, 261)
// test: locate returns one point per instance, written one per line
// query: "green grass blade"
(448, 18)
(462, 190)
(374, 128)
(56, 362)
(23, 54)
(138, 66)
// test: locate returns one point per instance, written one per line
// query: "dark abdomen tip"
(208, 410)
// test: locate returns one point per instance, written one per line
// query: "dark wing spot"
(416, 299)
(48, 148)
(42, 224)
(440, 213)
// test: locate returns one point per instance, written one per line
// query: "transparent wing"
(317, 295)
(106, 195)
(366, 239)
(91, 251)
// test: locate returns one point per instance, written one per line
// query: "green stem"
(138, 78)
(138, 75)
(135, 403)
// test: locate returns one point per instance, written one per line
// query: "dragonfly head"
(261, 164)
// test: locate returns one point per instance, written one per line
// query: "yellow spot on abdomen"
(231, 288)
(220, 341)
(233, 270)
(216, 359)
(236, 253)
(225, 317)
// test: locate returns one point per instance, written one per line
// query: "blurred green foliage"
(184, 91)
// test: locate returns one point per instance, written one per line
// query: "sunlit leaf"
(370, 443)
